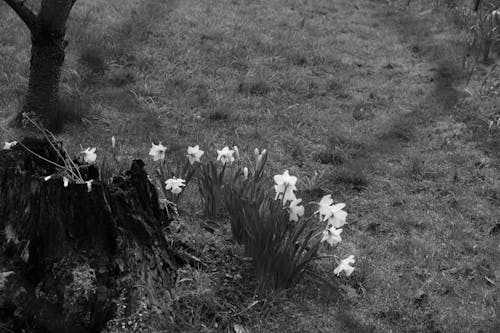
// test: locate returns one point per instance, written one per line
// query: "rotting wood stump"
(73, 252)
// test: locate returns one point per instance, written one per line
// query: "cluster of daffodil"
(285, 187)
(175, 184)
(333, 214)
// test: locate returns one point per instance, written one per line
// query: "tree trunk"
(47, 58)
(48, 30)
(73, 252)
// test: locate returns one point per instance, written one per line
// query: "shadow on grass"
(448, 74)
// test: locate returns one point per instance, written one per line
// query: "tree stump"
(73, 251)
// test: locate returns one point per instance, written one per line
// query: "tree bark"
(47, 58)
(73, 252)
(48, 30)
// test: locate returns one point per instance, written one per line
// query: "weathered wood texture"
(74, 251)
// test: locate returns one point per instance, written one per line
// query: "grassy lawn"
(365, 100)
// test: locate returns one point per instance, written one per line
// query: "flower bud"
(256, 153)
(258, 164)
(261, 160)
(245, 173)
(113, 142)
(236, 153)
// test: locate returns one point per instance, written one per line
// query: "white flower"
(174, 185)
(9, 145)
(332, 236)
(113, 142)
(89, 185)
(225, 155)
(326, 210)
(345, 266)
(194, 154)
(245, 173)
(285, 185)
(337, 220)
(157, 151)
(256, 153)
(236, 152)
(47, 177)
(65, 181)
(296, 211)
(89, 155)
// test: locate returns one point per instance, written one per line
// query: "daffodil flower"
(9, 145)
(47, 177)
(65, 181)
(174, 185)
(194, 154)
(337, 220)
(89, 155)
(332, 236)
(345, 266)
(157, 151)
(285, 185)
(89, 185)
(225, 155)
(296, 211)
(327, 210)
(245, 173)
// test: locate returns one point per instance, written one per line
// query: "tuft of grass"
(122, 77)
(353, 175)
(199, 95)
(328, 156)
(340, 148)
(401, 131)
(220, 113)
(416, 166)
(254, 87)
(93, 58)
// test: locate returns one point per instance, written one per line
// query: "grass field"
(368, 101)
